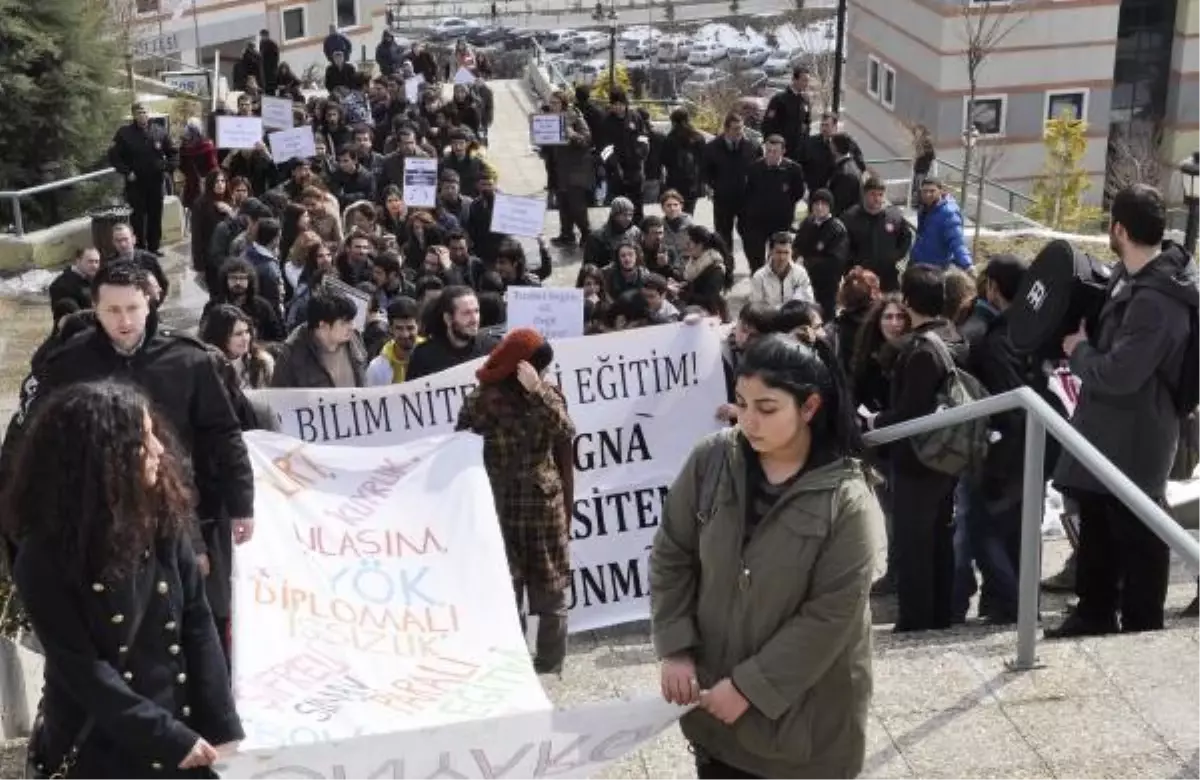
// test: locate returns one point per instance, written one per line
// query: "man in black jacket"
(774, 185)
(75, 283)
(845, 179)
(880, 236)
(993, 506)
(143, 153)
(125, 249)
(350, 182)
(922, 499)
(1132, 370)
(628, 134)
(789, 115)
(727, 160)
(176, 372)
(454, 336)
(821, 244)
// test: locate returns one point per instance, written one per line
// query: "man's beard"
(459, 334)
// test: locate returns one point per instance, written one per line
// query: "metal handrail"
(1013, 195)
(1041, 418)
(14, 196)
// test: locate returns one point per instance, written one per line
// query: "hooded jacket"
(795, 637)
(602, 244)
(1130, 368)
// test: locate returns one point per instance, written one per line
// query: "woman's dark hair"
(759, 316)
(90, 500)
(217, 329)
(219, 323)
(210, 182)
(492, 309)
(292, 213)
(238, 181)
(632, 306)
(796, 314)
(698, 234)
(870, 335)
(800, 370)
(635, 246)
(491, 282)
(590, 271)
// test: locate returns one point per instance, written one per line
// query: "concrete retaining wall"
(55, 246)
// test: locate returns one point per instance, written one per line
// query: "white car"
(674, 49)
(557, 40)
(639, 43)
(587, 42)
(451, 27)
(748, 55)
(702, 80)
(706, 53)
(781, 62)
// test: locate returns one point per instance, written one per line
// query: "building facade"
(171, 28)
(1129, 67)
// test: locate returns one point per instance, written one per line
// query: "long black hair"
(698, 234)
(800, 370)
(90, 500)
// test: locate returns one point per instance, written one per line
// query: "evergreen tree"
(61, 64)
(1061, 188)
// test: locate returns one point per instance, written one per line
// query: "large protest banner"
(640, 400)
(376, 630)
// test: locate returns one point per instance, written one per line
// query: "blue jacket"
(940, 240)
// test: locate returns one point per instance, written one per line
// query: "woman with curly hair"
(230, 330)
(135, 679)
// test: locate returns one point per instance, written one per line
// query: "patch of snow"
(719, 32)
(32, 282)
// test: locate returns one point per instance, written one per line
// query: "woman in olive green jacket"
(761, 572)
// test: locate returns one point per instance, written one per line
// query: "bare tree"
(1134, 157)
(126, 25)
(985, 26)
(990, 157)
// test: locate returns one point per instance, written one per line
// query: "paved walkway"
(944, 706)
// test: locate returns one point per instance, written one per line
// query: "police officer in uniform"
(143, 154)
(774, 185)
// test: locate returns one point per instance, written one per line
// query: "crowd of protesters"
(321, 275)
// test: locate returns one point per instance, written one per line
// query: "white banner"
(639, 399)
(379, 631)
(579, 742)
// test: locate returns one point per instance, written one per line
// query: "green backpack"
(955, 449)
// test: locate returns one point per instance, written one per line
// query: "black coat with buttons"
(152, 695)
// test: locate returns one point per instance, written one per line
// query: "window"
(294, 22)
(987, 115)
(347, 13)
(1071, 103)
(147, 7)
(888, 94)
(873, 76)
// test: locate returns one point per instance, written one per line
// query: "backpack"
(689, 167)
(1186, 392)
(954, 449)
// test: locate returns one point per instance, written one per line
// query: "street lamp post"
(1191, 198)
(611, 17)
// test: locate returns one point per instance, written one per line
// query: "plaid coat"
(521, 432)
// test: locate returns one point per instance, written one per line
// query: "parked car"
(703, 80)
(753, 81)
(706, 53)
(451, 27)
(640, 46)
(583, 44)
(748, 55)
(587, 73)
(487, 36)
(674, 48)
(558, 40)
(781, 61)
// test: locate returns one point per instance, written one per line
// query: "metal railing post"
(1033, 501)
(18, 222)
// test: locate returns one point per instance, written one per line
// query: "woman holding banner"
(136, 683)
(527, 437)
(760, 576)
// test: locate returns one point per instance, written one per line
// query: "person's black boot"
(551, 648)
(1191, 610)
(1075, 625)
